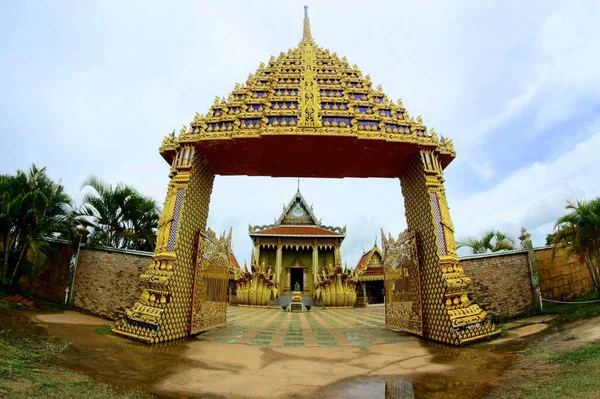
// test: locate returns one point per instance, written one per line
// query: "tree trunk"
(593, 274)
(19, 261)
(7, 251)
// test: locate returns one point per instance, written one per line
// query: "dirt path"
(195, 367)
(200, 368)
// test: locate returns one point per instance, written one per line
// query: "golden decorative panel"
(209, 301)
(402, 283)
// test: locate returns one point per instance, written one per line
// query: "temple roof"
(309, 90)
(234, 262)
(297, 219)
(370, 265)
(296, 231)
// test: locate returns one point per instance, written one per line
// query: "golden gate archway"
(332, 124)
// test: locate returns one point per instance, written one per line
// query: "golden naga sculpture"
(258, 287)
(336, 287)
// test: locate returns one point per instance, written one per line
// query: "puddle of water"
(370, 388)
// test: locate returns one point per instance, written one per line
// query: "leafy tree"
(32, 206)
(120, 216)
(491, 241)
(578, 232)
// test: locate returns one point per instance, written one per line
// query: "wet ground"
(253, 360)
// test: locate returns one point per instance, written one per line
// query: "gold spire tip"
(306, 36)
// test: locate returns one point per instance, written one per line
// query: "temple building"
(297, 247)
(369, 269)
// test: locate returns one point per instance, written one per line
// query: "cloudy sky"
(92, 88)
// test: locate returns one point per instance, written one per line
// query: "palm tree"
(32, 206)
(141, 220)
(578, 232)
(120, 216)
(491, 241)
(105, 208)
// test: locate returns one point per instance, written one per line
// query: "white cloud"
(533, 196)
(91, 88)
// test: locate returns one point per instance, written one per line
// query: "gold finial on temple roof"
(306, 36)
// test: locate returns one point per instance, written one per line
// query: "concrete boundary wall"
(501, 283)
(107, 280)
(562, 278)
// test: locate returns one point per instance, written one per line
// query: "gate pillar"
(448, 314)
(162, 312)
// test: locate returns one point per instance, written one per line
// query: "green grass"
(578, 383)
(574, 311)
(26, 364)
(18, 357)
(578, 375)
(79, 389)
(580, 355)
(104, 330)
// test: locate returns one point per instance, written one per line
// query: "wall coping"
(493, 255)
(543, 247)
(119, 250)
(56, 240)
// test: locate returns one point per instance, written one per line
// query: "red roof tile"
(233, 260)
(362, 260)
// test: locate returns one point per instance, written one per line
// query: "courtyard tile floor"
(319, 327)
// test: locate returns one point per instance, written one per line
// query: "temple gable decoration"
(298, 212)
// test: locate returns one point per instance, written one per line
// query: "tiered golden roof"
(309, 91)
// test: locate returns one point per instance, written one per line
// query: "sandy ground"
(199, 368)
(70, 317)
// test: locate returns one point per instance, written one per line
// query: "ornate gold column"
(449, 316)
(278, 257)
(315, 262)
(256, 254)
(163, 311)
(337, 256)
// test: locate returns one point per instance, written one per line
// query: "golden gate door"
(209, 302)
(402, 283)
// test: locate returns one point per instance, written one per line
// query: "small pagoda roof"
(365, 272)
(234, 262)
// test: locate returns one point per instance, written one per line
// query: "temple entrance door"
(211, 281)
(297, 276)
(374, 292)
(402, 282)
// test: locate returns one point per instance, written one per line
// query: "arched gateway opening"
(333, 124)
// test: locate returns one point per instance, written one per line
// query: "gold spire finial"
(306, 36)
